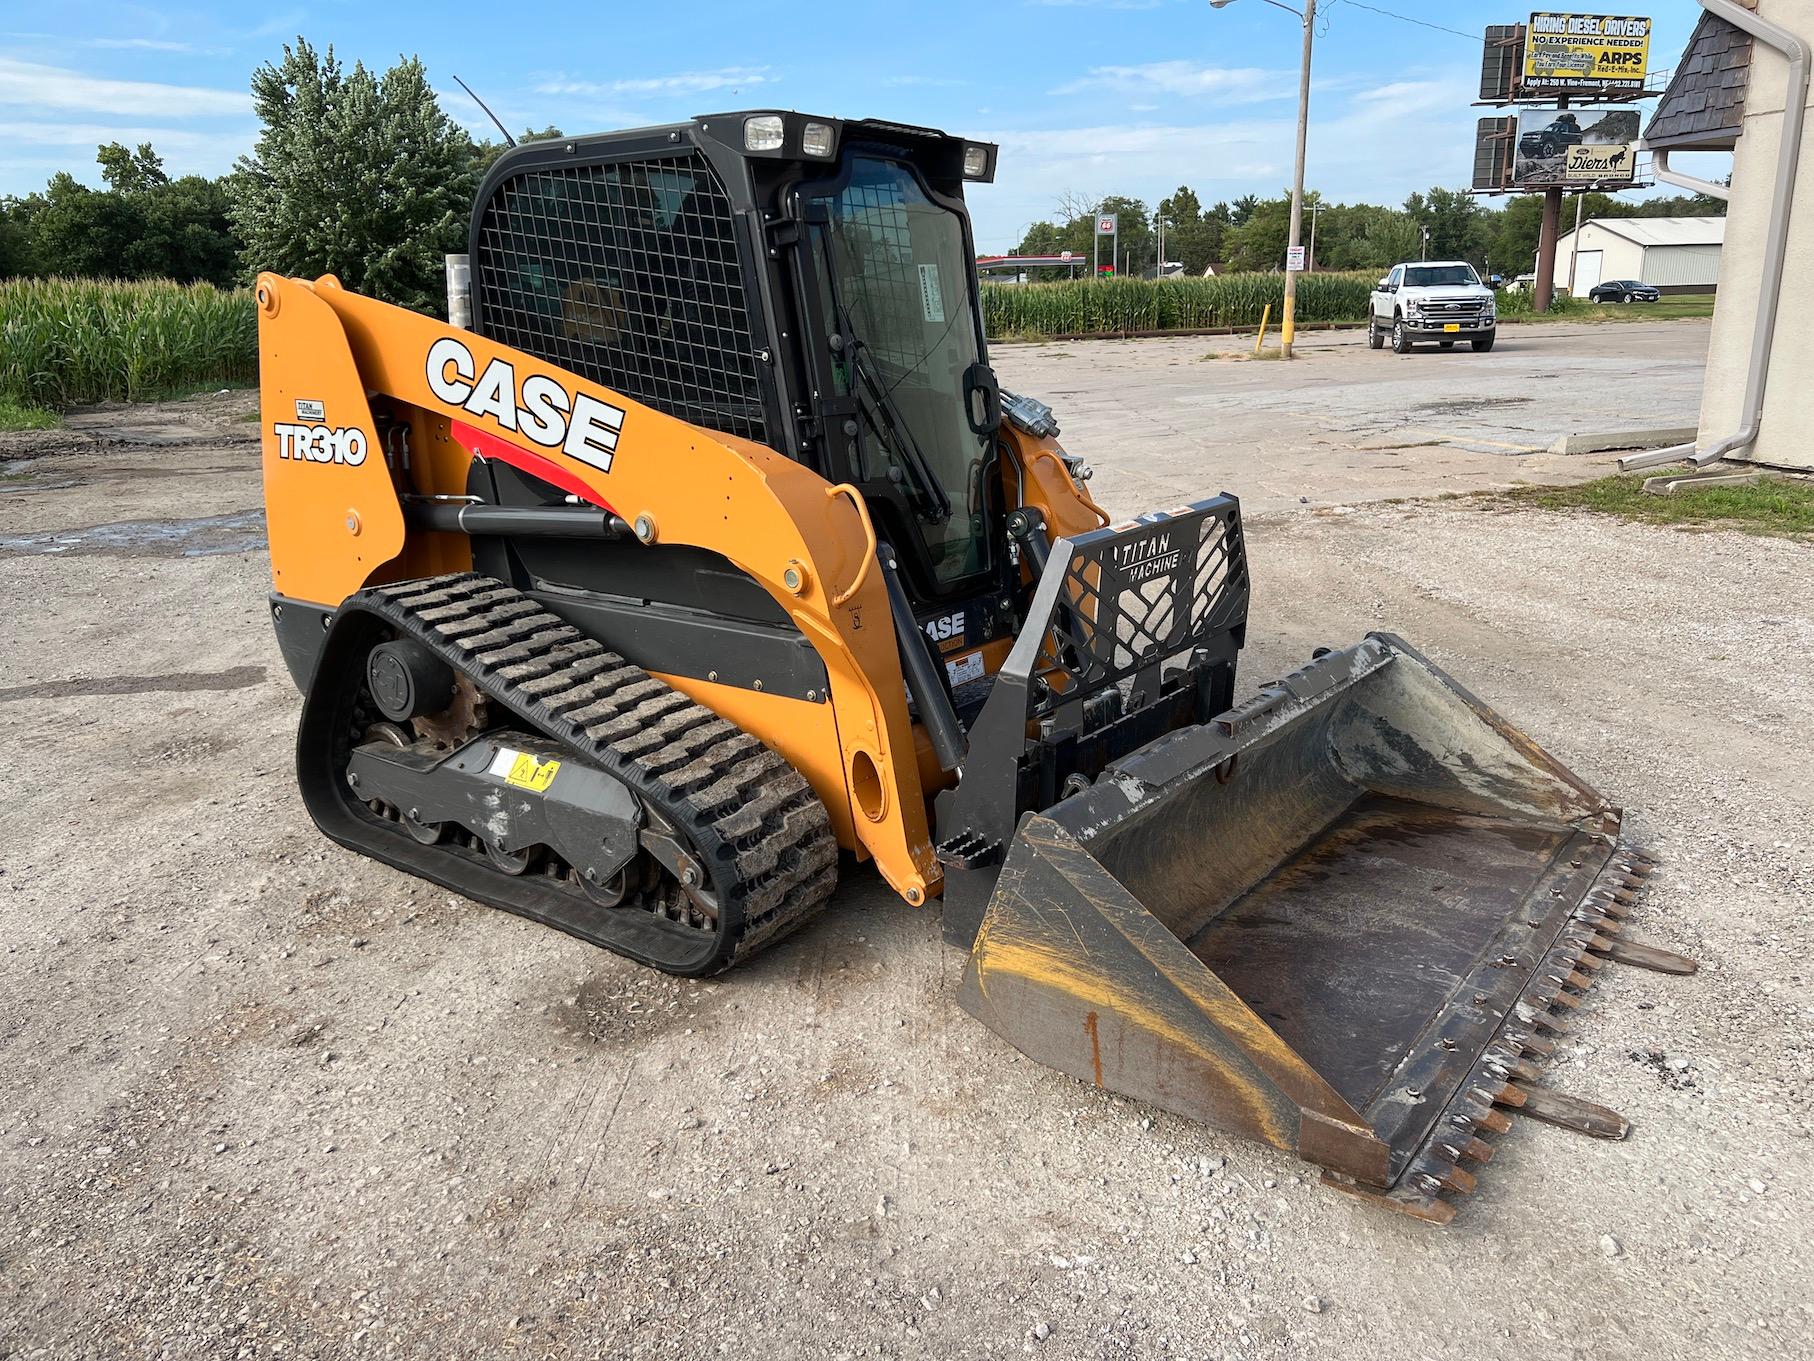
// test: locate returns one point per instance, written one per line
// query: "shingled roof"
(1704, 107)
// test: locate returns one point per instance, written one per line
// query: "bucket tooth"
(1421, 1201)
(1510, 1095)
(1571, 1112)
(1538, 1015)
(1457, 1180)
(1589, 962)
(1478, 1150)
(1496, 1121)
(1579, 981)
(1645, 956)
(1536, 1044)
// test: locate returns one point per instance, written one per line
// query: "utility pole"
(1315, 208)
(1307, 16)
(1288, 328)
(1423, 250)
(1574, 243)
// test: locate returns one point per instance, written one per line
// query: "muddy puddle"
(202, 536)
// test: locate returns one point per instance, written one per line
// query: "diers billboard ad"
(1575, 147)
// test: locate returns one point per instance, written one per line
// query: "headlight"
(816, 139)
(762, 133)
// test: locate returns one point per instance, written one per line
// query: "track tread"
(762, 831)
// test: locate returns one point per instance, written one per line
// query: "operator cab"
(803, 282)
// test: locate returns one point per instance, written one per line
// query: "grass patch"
(1778, 506)
(1670, 308)
(1085, 306)
(67, 341)
(16, 415)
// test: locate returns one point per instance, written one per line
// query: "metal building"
(1675, 254)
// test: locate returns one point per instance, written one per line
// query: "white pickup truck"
(1440, 300)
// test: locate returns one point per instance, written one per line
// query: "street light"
(1307, 16)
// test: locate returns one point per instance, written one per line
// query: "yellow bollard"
(1260, 339)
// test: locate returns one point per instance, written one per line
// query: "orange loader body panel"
(336, 522)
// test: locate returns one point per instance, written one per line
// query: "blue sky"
(1086, 97)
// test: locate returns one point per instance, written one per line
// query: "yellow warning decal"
(523, 771)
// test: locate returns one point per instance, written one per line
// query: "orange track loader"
(711, 556)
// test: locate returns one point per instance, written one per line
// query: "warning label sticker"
(965, 668)
(932, 302)
(524, 771)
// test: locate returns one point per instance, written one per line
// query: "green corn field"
(1085, 306)
(64, 341)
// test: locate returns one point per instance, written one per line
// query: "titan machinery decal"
(1147, 558)
(540, 409)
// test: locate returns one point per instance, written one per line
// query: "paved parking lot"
(262, 1098)
(1165, 418)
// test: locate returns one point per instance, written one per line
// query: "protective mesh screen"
(877, 274)
(625, 274)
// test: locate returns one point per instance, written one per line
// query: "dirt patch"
(216, 419)
(179, 682)
(614, 1005)
(256, 1091)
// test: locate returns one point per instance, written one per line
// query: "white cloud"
(1233, 84)
(32, 85)
(145, 45)
(1231, 157)
(680, 83)
(35, 150)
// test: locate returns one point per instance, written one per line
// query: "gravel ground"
(260, 1097)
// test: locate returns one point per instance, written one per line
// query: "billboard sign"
(1106, 224)
(1575, 148)
(1585, 51)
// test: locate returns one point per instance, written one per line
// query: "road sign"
(1106, 224)
(1294, 258)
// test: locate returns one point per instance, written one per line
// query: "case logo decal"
(946, 627)
(539, 409)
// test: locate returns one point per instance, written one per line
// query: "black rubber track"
(757, 826)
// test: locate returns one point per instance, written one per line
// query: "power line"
(1407, 19)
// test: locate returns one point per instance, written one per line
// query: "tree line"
(361, 174)
(355, 173)
(1252, 233)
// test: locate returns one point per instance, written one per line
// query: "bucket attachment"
(1337, 919)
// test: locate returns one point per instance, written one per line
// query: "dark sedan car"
(1624, 290)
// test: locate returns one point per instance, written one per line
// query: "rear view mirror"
(1385, 283)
